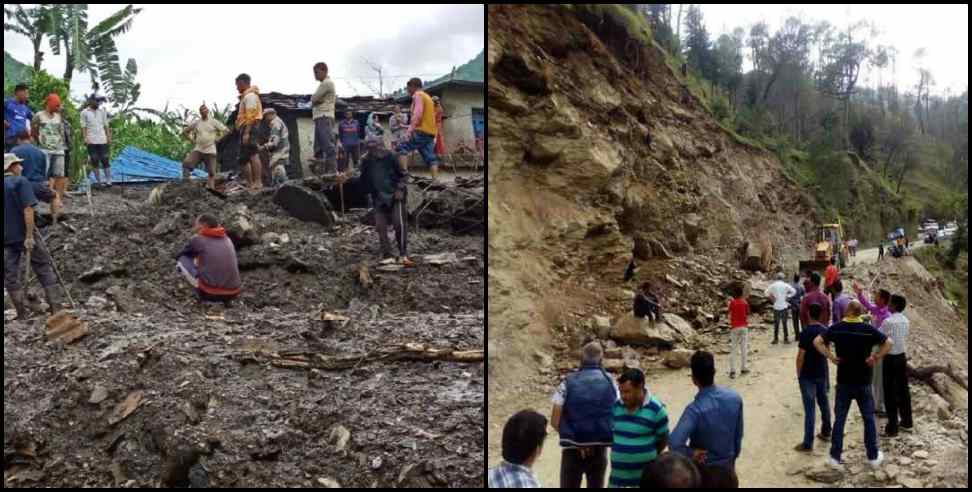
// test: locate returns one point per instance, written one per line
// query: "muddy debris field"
(330, 370)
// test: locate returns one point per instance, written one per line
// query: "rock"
(339, 438)
(824, 474)
(376, 463)
(602, 322)
(911, 483)
(99, 395)
(891, 470)
(543, 359)
(920, 455)
(328, 483)
(635, 331)
(903, 461)
(241, 228)
(303, 204)
(941, 407)
(679, 358)
(756, 256)
(674, 281)
(880, 476)
(96, 302)
(692, 225)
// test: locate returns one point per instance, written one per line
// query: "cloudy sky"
(943, 30)
(190, 54)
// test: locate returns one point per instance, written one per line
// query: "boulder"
(665, 333)
(756, 256)
(891, 470)
(920, 455)
(241, 228)
(602, 324)
(679, 358)
(303, 204)
(693, 227)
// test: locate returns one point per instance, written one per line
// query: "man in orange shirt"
(422, 130)
(739, 331)
(830, 276)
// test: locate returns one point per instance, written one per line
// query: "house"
(295, 111)
(464, 102)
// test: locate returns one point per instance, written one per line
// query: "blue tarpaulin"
(137, 166)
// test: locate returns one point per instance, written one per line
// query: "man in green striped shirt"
(640, 430)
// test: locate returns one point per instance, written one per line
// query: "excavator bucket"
(818, 266)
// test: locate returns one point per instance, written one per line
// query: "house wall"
(459, 103)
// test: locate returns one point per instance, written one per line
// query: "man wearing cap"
(278, 145)
(18, 238)
(387, 183)
(204, 134)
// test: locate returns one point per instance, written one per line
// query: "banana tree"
(34, 23)
(92, 50)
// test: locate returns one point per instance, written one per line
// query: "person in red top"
(831, 275)
(739, 331)
(209, 263)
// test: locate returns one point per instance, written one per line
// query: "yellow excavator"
(828, 243)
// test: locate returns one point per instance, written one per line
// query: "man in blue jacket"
(583, 415)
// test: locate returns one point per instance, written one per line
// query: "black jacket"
(382, 176)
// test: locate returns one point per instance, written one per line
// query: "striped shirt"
(510, 476)
(636, 438)
(896, 327)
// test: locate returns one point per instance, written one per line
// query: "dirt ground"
(194, 374)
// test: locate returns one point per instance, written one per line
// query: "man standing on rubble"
(278, 146)
(97, 138)
(387, 184)
(350, 131)
(18, 239)
(204, 133)
(247, 122)
(422, 130)
(323, 102)
(209, 262)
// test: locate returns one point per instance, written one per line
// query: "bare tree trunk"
(678, 29)
(38, 54)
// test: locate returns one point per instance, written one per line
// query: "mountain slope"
(14, 72)
(592, 153)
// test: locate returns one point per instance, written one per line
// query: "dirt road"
(773, 411)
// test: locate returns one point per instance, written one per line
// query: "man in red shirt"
(831, 275)
(739, 330)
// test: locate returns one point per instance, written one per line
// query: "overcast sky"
(942, 29)
(190, 54)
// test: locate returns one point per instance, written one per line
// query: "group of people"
(866, 338)
(43, 142)
(594, 415)
(337, 145)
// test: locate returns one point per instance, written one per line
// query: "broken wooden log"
(313, 360)
(950, 383)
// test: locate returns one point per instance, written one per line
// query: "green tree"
(698, 50)
(92, 50)
(34, 23)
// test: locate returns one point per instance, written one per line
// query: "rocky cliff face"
(593, 152)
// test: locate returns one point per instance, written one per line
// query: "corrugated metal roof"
(301, 103)
(134, 165)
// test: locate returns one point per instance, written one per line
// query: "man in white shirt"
(97, 137)
(204, 133)
(778, 292)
